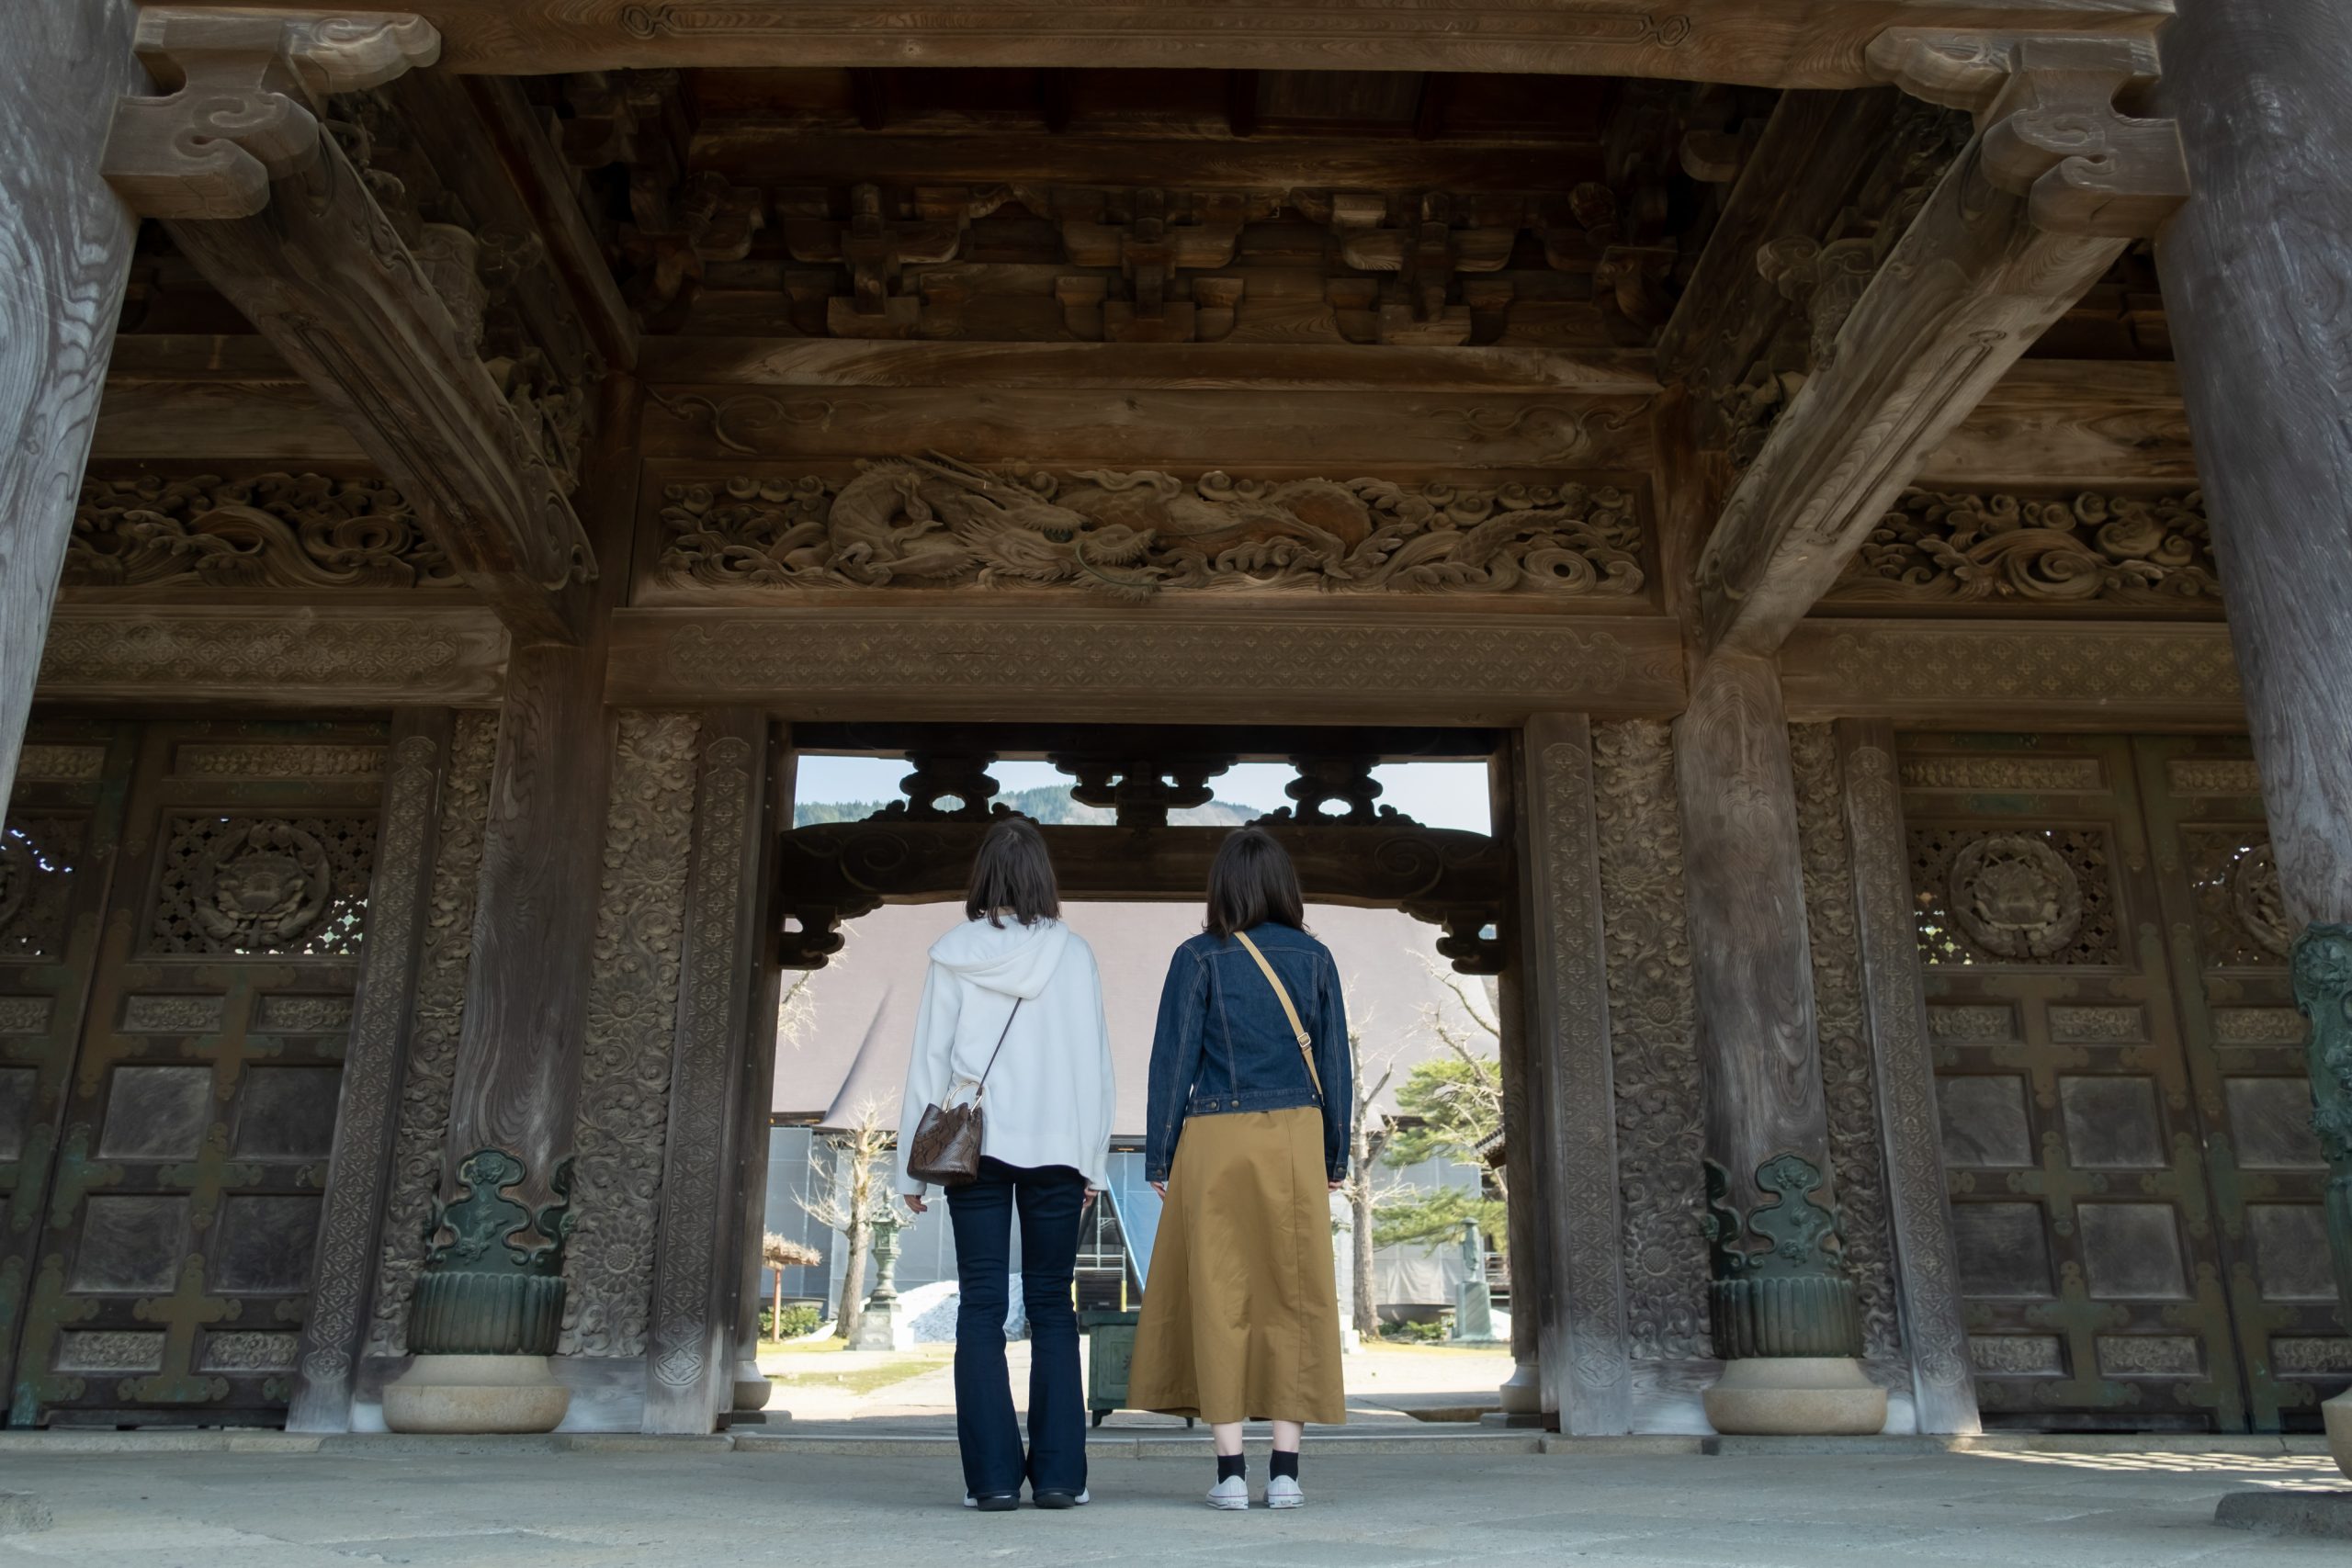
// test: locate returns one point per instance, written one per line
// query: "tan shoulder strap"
(1305, 1040)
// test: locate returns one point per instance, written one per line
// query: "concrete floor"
(148, 1503)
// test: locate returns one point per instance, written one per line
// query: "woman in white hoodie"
(1016, 987)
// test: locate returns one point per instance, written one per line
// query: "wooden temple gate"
(1755, 430)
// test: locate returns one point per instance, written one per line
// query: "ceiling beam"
(1756, 42)
(2038, 206)
(269, 209)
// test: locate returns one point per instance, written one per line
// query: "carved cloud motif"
(931, 522)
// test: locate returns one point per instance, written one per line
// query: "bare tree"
(848, 1201)
(1482, 1084)
(1368, 1136)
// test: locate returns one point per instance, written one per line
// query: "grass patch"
(857, 1380)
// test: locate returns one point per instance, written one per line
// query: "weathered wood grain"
(1306, 368)
(1570, 1100)
(282, 657)
(1759, 1054)
(321, 274)
(1816, 148)
(1216, 429)
(2064, 422)
(2257, 271)
(64, 253)
(207, 420)
(1964, 293)
(1765, 42)
(1002, 662)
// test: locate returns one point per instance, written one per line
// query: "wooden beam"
(1816, 148)
(752, 153)
(213, 420)
(321, 658)
(277, 219)
(2014, 675)
(1299, 433)
(2038, 206)
(67, 239)
(1759, 42)
(2067, 424)
(1182, 367)
(1180, 663)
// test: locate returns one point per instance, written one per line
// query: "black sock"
(1285, 1464)
(1229, 1466)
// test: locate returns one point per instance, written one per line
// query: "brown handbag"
(946, 1148)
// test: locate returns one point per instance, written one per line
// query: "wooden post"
(2256, 267)
(1522, 1392)
(1784, 1309)
(1587, 1374)
(696, 1277)
(752, 1388)
(64, 252)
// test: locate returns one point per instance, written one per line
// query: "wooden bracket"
(243, 107)
(2046, 107)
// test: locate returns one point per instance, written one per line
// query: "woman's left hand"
(1337, 1185)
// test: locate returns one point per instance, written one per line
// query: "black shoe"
(1003, 1503)
(1062, 1499)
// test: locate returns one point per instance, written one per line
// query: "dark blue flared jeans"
(1049, 1200)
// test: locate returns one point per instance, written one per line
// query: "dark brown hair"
(1013, 875)
(1251, 882)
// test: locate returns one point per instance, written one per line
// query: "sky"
(1438, 794)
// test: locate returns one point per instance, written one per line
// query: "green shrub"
(799, 1318)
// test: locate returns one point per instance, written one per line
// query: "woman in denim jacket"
(1248, 1137)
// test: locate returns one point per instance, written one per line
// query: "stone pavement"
(271, 1502)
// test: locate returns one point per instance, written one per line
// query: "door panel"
(170, 1259)
(2091, 1261)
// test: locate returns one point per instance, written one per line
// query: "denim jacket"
(1223, 1043)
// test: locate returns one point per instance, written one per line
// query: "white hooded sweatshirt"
(1049, 1100)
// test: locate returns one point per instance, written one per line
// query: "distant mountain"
(1049, 804)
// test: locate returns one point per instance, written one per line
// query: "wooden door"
(168, 1257)
(2135, 1202)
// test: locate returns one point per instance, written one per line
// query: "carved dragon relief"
(933, 522)
(2147, 552)
(273, 530)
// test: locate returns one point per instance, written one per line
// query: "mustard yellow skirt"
(1241, 1313)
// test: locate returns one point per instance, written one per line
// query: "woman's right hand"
(915, 1201)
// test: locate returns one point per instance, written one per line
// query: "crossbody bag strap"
(983, 1084)
(1305, 1040)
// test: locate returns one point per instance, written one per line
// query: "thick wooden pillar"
(64, 252)
(2256, 269)
(1579, 1297)
(1780, 1292)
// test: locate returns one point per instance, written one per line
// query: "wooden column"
(752, 1388)
(696, 1275)
(1571, 1104)
(2257, 269)
(1522, 1392)
(1779, 1289)
(64, 253)
(375, 1070)
(1926, 1263)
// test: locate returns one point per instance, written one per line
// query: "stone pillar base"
(876, 1330)
(752, 1389)
(1522, 1392)
(2337, 1412)
(1796, 1396)
(476, 1393)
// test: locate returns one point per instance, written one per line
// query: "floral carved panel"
(930, 522)
(274, 530)
(445, 950)
(1847, 1074)
(292, 885)
(1653, 1026)
(1940, 548)
(632, 1008)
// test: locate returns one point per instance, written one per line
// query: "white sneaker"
(1233, 1492)
(1283, 1492)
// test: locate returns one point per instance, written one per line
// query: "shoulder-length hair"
(1251, 882)
(1013, 875)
